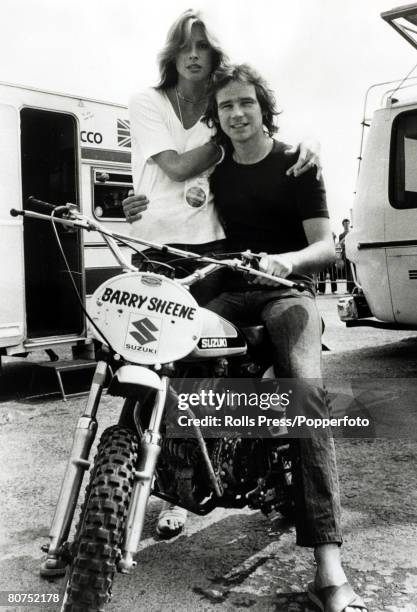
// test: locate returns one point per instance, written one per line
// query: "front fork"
(77, 464)
(150, 449)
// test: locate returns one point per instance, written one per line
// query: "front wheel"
(99, 535)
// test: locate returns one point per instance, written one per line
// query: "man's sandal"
(171, 521)
(336, 598)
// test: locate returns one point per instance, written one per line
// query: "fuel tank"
(219, 338)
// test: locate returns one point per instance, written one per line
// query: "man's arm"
(319, 253)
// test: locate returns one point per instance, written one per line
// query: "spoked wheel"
(99, 534)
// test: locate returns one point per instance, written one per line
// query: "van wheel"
(99, 534)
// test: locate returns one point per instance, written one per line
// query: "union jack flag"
(123, 133)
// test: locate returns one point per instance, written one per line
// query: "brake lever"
(251, 259)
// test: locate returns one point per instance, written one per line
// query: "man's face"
(239, 112)
(194, 60)
(346, 225)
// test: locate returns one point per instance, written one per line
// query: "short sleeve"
(148, 124)
(310, 196)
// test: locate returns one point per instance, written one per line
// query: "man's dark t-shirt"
(261, 208)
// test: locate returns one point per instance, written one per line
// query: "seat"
(255, 335)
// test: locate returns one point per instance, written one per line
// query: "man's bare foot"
(330, 573)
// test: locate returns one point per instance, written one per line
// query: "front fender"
(128, 378)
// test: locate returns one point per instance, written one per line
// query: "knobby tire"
(99, 534)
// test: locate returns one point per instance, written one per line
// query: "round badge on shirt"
(196, 191)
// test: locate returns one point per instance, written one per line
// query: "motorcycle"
(153, 333)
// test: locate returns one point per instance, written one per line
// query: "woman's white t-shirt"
(178, 212)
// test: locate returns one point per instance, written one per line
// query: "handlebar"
(34, 215)
(235, 264)
(55, 210)
(17, 213)
(75, 219)
(41, 203)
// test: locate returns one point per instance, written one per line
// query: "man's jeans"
(294, 327)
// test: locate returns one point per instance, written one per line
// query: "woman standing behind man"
(172, 157)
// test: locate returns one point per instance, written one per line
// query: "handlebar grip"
(299, 286)
(17, 213)
(36, 202)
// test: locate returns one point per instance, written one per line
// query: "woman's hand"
(309, 156)
(133, 206)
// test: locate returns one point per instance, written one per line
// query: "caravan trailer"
(383, 242)
(57, 148)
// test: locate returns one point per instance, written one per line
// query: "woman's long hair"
(241, 73)
(177, 37)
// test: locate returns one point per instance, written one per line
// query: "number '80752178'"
(22, 598)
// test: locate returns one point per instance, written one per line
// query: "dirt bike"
(153, 332)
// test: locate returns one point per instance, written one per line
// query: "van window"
(110, 189)
(403, 164)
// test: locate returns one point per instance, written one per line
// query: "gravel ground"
(229, 560)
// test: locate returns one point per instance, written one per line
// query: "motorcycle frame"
(86, 428)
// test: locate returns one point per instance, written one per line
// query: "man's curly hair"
(240, 73)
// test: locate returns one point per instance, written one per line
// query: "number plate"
(147, 318)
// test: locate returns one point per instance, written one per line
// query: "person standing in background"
(350, 284)
(331, 272)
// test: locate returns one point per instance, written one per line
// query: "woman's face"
(194, 60)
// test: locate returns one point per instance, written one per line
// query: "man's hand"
(309, 156)
(277, 265)
(133, 206)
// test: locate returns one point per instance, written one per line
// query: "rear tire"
(99, 535)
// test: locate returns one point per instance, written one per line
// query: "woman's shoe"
(171, 521)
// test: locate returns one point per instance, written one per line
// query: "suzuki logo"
(144, 328)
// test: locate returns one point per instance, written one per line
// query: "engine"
(254, 472)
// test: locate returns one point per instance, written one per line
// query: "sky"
(319, 56)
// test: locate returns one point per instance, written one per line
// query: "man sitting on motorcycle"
(265, 210)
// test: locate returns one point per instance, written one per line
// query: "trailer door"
(49, 151)
(11, 243)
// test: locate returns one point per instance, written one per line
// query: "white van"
(383, 242)
(57, 148)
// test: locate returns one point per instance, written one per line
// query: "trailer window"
(110, 189)
(403, 166)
